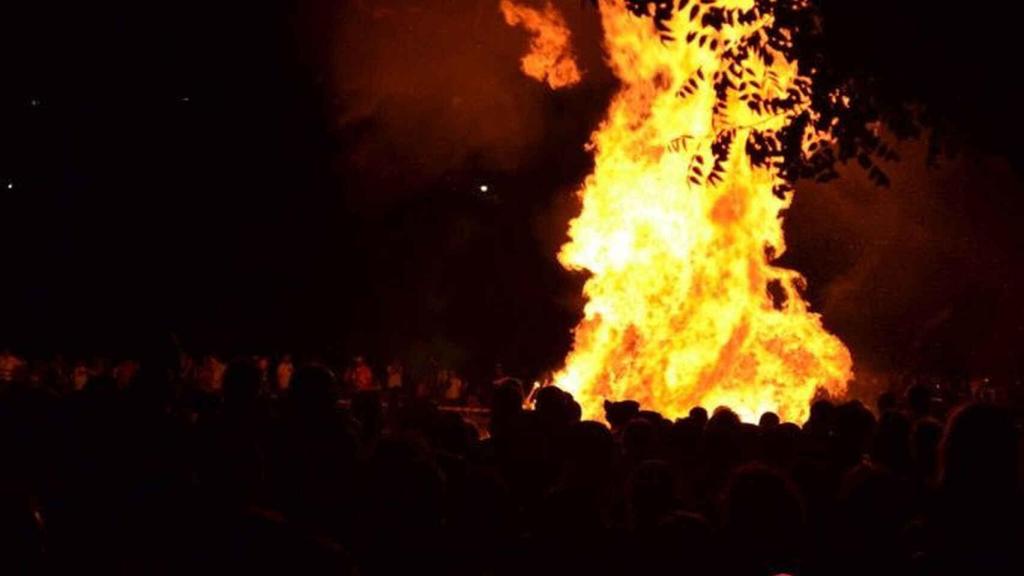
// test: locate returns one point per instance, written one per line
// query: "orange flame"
(550, 58)
(679, 312)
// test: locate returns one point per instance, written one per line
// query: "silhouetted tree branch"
(913, 72)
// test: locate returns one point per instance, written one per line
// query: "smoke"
(432, 88)
(923, 275)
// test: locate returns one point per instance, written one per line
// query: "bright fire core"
(679, 308)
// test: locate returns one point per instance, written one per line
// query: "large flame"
(681, 311)
(550, 58)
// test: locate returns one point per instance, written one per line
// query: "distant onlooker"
(454, 388)
(283, 373)
(919, 400)
(394, 375)
(10, 365)
(359, 375)
(79, 376)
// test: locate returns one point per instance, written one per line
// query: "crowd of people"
(431, 380)
(167, 466)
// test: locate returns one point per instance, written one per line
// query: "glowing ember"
(550, 58)
(684, 306)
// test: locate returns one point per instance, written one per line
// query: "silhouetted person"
(314, 456)
(822, 419)
(886, 402)
(762, 529)
(243, 383)
(359, 376)
(553, 406)
(650, 495)
(400, 526)
(576, 514)
(368, 411)
(680, 542)
(924, 450)
(27, 421)
(506, 406)
(639, 442)
(618, 414)
(235, 442)
(768, 420)
(11, 367)
(976, 523)
(853, 432)
(721, 452)
(283, 373)
(699, 416)
(891, 446)
(919, 400)
(661, 534)
(873, 508)
(556, 412)
(780, 445)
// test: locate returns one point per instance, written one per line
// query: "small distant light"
(10, 185)
(35, 102)
(185, 99)
(484, 188)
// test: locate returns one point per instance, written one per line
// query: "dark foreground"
(147, 476)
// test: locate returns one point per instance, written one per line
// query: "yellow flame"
(550, 58)
(679, 312)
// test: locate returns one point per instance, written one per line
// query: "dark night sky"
(285, 175)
